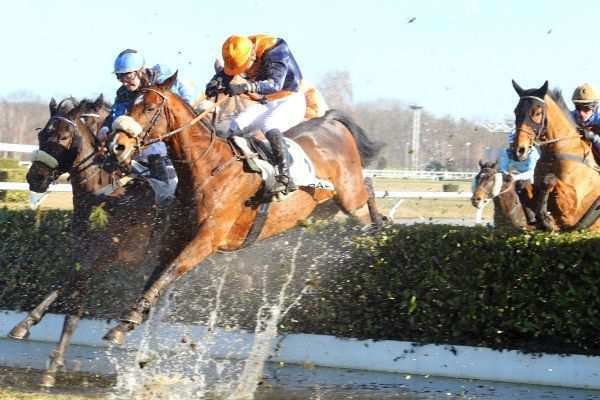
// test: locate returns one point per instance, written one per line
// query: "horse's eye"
(149, 109)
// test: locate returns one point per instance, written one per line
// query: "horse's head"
(150, 116)
(61, 140)
(487, 184)
(530, 119)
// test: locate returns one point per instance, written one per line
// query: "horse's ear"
(494, 164)
(52, 106)
(544, 88)
(518, 88)
(480, 163)
(169, 82)
(99, 102)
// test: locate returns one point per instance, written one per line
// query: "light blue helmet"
(129, 60)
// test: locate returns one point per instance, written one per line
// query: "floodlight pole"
(416, 135)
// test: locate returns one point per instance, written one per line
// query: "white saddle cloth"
(302, 170)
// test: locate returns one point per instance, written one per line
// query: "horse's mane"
(87, 104)
(556, 95)
(67, 105)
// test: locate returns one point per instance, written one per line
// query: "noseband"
(50, 161)
(496, 188)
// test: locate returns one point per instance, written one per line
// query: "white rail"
(379, 173)
(411, 174)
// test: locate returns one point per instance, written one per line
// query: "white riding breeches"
(279, 114)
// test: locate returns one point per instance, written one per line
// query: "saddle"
(258, 158)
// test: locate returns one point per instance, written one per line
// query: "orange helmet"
(237, 54)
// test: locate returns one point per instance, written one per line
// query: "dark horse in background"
(567, 182)
(68, 144)
(492, 185)
(216, 188)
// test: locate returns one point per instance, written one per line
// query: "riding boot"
(162, 170)
(280, 155)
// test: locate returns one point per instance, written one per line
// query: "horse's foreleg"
(196, 251)
(21, 330)
(544, 217)
(376, 217)
(57, 359)
(526, 192)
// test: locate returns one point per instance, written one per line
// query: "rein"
(167, 135)
(144, 144)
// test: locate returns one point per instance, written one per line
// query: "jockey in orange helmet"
(270, 70)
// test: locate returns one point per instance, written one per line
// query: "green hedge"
(34, 254)
(423, 283)
(473, 286)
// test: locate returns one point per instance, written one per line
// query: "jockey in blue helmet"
(152, 163)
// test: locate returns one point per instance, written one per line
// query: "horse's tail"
(367, 148)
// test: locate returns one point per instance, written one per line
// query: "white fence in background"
(394, 174)
(379, 173)
(412, 174)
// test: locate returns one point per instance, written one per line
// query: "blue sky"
(457, 58)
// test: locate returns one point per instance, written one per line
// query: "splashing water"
(176, 361)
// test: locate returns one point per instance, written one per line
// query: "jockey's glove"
(591, 136)
(239, 88)
(214, 87)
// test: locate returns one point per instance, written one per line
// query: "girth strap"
(258, 224)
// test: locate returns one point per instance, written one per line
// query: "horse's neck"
(200, 147)
(560, 127)
(509, 202)
(88, 176)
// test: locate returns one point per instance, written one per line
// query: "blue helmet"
(129, 60)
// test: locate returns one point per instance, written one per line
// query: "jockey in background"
(270, 71)
(520, 170)
(152, 163)
(586, 116)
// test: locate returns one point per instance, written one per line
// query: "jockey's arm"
(503, 160)
(184, 92)
(276, 72)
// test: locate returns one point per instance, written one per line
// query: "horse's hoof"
(115, 336)
(48, 381)
(18, 333)
(133, 317)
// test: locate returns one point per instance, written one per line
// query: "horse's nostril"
(119, 148)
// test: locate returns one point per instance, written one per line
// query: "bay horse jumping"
(68, 143)
(492, 185)
(567, 183)
(216, 188)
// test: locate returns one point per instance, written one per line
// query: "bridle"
(539, 129)
(497, 186)
(142, 143)
(52, 163)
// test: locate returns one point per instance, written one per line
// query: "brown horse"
(216, 188)
(68, 144)
(491, 185)
(566, 176)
